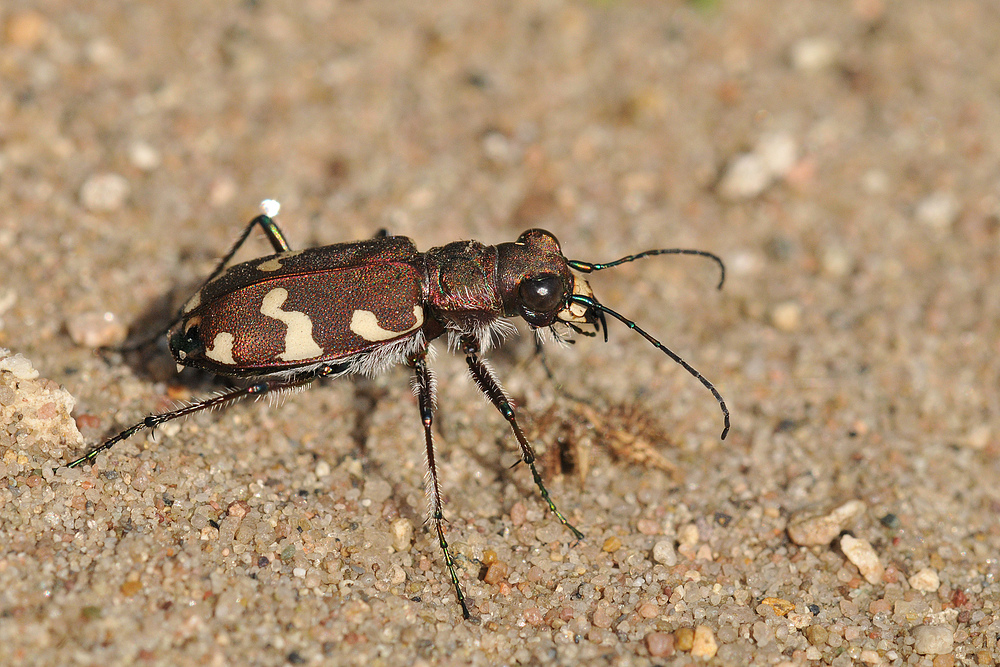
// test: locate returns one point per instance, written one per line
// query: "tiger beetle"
(288, 319)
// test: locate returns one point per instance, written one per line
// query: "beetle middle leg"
(487, 383)
(219, 400)
(424, 383)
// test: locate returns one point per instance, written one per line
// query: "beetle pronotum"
(293, 317)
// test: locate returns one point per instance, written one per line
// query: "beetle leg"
(483, 376)
(278, 242)
(217, 401)
(424, 384)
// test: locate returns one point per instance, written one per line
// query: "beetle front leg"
(423, 382)
(483, 376)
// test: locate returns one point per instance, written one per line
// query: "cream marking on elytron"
(222, 349)
(192, 303)
(365, 324)
(270, 265)
(275, 263)
(299, 342)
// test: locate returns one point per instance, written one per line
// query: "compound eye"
(543, 294)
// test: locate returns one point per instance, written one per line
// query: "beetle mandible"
(293, 317)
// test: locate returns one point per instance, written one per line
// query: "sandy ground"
(842, 157)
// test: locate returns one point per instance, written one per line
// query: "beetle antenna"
(592, 303)
(590, 267)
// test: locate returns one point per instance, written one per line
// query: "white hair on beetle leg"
(488, 369)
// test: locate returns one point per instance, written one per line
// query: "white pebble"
(811, 54)
(96, 329)
(402, 534)
(778, 151)
(925, 580)
(932, 639)
(937, 211)
(664, 553)
(746, 177)
(143, 156)
(862, 554)
(104, 192)
(808, 528)
(17, 365)
(322, 469)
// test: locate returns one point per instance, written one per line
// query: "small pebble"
(811, 54)
(808, 528)
(786, 316)
(817, 635)
(762, 634)
(104, 192)
(836, 262)
(932, 639)
(647, 526)
(612, 544)
(377, 490)
(96, 329)
(780, 606)
(143, 156)
(926, 580)
(238, 509)
(130, 588)
(664, 553)
(870, 657)
(704, 645)
(688, 535)
(745, 177)
(402, 534)
(937, 211)
(601, 619)
(779, 152)
(861, 553)
(875, 182)
(17, 365)
(518, 513)
(497, 572)
(649, 610)
(660, 644)
(684, 639)
(25, 29)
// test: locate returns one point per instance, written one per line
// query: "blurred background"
(841, 157)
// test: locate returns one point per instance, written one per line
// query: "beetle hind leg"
(274, 236)
(219, 400)
(484, 378)
(424, 385)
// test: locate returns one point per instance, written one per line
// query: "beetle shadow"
(146, 352)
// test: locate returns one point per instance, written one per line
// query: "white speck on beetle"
(270, 207)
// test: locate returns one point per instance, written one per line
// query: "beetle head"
(535, 280)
